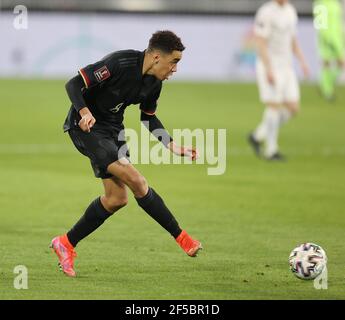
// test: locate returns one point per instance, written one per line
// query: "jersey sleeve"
(149, 105)
(262, 24)
(101, 71)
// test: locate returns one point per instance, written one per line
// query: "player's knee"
(274, 106)
(341, 63)
(139, 181)
(120, 203)
(294, 112)
(293, 108)
(115, 203)
(138, 185)
(326, 64)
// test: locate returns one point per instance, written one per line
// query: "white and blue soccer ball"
(307, 261)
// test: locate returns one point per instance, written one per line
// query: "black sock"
(153, 204)
(93, 217)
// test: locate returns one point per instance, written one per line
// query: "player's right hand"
(270, 77)
(306, 70)
(87, 120)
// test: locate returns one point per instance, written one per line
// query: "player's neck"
(148, 63)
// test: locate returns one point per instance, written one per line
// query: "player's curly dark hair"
(165, 41)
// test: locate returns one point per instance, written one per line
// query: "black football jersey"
(114, 83)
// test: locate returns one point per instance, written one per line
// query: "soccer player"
(275, 31)
(100, 94)
(331, 44)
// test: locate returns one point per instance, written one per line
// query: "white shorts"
(285, 89)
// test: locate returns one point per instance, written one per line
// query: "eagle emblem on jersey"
(117, 108)
(102, 73)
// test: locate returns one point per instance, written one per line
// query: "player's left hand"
(190, 152)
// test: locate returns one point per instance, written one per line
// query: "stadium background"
(221, 30)
(248, 219)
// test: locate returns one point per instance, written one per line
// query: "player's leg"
(286, 89)
(115, 194)
(152, 203)
(338, 46)
(332, 54)
(291, 97)
(341, 62)
(337, 70)
(326, 73)
(291, 103)
(340, 66)
(100, 209)
(327, 80)
(114, 198)
(258, 136)
(288, 111)
(267, 130)
(101, 149)
(272, 125)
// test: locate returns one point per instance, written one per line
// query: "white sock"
(284, 115)
(272, 132)
(260, 132)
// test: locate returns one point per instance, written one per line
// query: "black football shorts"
(101, 146)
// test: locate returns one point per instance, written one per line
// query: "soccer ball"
(307, 261)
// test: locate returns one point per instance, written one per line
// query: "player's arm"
(262, 32)
(74, 88)
(88, 77)
(154, 125)
(300, 56)
(262, 51)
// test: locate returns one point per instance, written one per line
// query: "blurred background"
(64, 35)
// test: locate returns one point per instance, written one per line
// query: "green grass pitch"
(248, 219)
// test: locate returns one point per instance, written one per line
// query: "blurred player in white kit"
(275, 32)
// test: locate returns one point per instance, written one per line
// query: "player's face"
(166, 64)
(282, 2)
